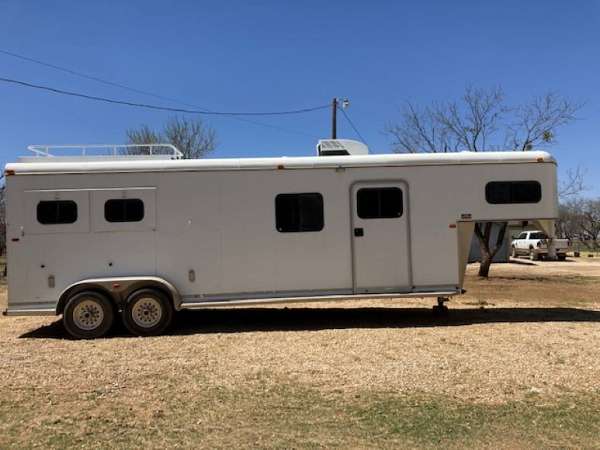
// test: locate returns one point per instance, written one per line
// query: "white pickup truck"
(535, 245)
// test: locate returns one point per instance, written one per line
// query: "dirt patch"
(334, 374)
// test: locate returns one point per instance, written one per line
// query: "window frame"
(399, 214)
(281, 228)
(510, 185)
(125, 201)
(57, 202)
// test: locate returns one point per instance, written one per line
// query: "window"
(522, 236)
(296, 213)
(538, 235)
(124, 210)
(379, 203)
(503, 192)
(56, 212)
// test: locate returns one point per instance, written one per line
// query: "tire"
(514, 252)
(88, 315)
(147, 312)
(533, 255)
(561, 257)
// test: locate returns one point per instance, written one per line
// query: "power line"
(352, 125)
(162, 108)
(143, 92)
(93, 78)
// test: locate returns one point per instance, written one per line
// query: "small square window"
(295, 213)
(379, 203)
(56, 212)
(124, 210)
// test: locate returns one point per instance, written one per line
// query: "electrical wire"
(93, 78)
(151, 94)
(352, 124)
(161, 108)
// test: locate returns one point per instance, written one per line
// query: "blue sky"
(275, 55)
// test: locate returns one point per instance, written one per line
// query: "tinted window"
(503, 192)
(299, 212)
(538, 236)
(56, 212)
(379, 203)
(124, 210)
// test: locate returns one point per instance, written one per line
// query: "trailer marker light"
(280, 166)
(452, 225)
(116, 286)
(9, 172)
(540, 160)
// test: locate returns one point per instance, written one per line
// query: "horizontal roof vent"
(337, 147)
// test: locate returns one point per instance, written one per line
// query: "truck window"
(505, 192)
(56, 212)
(124, 210)
(296, 213)
(538, 235)
(379, 203)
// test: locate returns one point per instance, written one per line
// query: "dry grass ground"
(515, 364)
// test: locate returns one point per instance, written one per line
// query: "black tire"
(533, 256)
(88, 315)
(514, 252)
(562, 257)
(147, 312)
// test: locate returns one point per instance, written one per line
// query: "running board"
(264, 301)
(29, 312)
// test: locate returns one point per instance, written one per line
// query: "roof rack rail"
(103, 152)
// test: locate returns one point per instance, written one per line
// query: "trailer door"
(380, 237)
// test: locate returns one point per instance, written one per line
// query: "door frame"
(406, 213)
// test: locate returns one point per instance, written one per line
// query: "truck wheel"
(514, 252)
(562, 257)
(88, 315)
(533, 255)
(147, 312)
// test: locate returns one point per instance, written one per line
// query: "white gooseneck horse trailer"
(96, 237)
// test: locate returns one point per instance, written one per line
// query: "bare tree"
(192, 137)
(480, 121)
(567, 225)
(580, 220)
(590, 224)
(572, 185)
(535, 123)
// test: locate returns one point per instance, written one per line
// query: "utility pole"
(334, 105)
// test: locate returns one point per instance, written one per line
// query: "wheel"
(147, 312)
(562, 257)
(88, 315)
(533, 255)
(514, 252)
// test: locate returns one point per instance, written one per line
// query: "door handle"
(358, 232)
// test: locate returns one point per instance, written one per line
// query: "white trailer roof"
(56, 165)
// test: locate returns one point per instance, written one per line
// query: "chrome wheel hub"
(88, 315)
(146, 312)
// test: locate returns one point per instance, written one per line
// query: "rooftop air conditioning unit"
(337, 147)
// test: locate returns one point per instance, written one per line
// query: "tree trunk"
(483, 231)
(484, 265)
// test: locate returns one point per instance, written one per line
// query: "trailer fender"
(119, 288)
